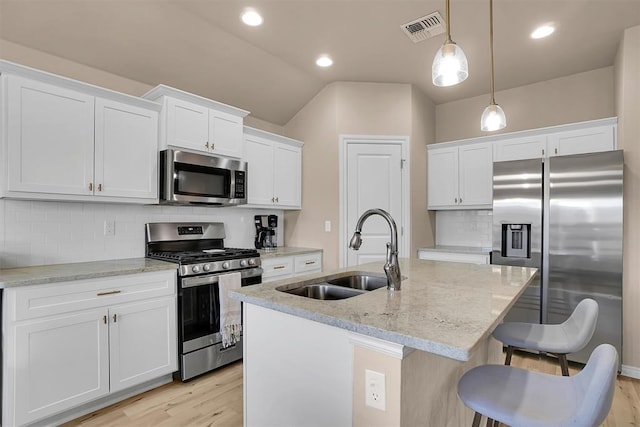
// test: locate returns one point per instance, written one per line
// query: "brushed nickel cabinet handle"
(543, 151)
(115, 318)
(99, 187)
(104, 319)
(279, 267)
(273, 200)
(455, 200)
(461, 200)
(309, 262)
(213, 146)
(555, 150)
(206, 145)
(100, 294)
(91, 186)
(277, 199)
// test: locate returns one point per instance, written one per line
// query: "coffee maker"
(266, 227)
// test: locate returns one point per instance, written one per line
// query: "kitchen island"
(306, 359)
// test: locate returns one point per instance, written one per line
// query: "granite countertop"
(286, 251)
(443, 308)
(37, 275)
(457, 249)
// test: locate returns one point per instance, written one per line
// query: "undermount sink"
(328, 288)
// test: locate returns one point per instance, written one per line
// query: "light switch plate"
(375, 390)
(327, 226)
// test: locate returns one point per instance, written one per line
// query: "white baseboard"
(630, 371)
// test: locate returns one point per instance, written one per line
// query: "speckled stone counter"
(443, 308)
(37, 275)
(286, 251)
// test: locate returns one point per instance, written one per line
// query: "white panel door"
(187, 125)
(520, 148)
(475, 163)
(126, 162)
(258, 153)
(60, 362)
(287, 175)
(374, 180)
(225, 134)
(593, 140)
(142, 341)
(50, 138)
(442, 181)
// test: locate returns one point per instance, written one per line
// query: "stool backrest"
(596, 383)
(581, 325)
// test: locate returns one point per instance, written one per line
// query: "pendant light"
(493, 117)
(450, 63)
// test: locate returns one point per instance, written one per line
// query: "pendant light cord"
(448, 26)
(493, 99)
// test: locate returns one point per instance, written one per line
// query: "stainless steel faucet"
(391, 267)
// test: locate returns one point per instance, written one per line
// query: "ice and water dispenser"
(516, 240)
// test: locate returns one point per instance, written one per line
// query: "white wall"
(34, 232)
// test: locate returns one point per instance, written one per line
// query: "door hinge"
(402, 162)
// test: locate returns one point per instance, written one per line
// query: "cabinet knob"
(91, 186)
(273, 200)
(277, 200)
(213, 146)
(206, 145)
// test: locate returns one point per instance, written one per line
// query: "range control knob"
(195, 269)
(206, 267)
(243, 263)
(252, 261)
(225, 265)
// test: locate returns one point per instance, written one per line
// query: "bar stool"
(518, 397)
(559, 340)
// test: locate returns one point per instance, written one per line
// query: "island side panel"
(430, 386)
(296, 372)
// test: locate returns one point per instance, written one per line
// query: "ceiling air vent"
(424, 28)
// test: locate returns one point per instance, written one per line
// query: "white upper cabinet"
(199, 124)
(576, 138)
(460, 177)
(274, 170)
(67, 140)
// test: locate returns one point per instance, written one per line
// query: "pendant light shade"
(450, 65)
(493, 117)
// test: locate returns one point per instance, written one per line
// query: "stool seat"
(567, 337)
(518, 397)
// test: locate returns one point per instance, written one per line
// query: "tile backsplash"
(43, 232)
(464, 228)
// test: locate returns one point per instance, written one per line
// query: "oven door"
(200, 341)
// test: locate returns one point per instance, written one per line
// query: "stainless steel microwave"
(189, 178)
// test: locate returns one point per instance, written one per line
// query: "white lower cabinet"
(284, 267)
(98, 337)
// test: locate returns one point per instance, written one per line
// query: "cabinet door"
(187, 125)
(258, 153)
(593, 140)
(442, 177)
(287, 175)
(126, 159)
(57, 363)
(225, 134)
(475, 162)
(142, 342)
(50, 138)
(534, 147)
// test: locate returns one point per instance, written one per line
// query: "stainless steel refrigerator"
(563, 216)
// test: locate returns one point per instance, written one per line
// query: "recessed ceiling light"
(251, 18)
(324, 61)
(542, 31)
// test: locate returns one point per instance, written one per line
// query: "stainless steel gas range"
(199, 252)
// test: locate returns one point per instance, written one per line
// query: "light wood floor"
(216, 400)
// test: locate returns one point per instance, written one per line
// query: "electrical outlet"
(327, 226)
(109, 228)
(374, 388)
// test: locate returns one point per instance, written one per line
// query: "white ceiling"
(202, 47)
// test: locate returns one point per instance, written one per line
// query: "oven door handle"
(210, 279)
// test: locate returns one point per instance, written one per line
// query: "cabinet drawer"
(308, 262)
(275, 267)
(63, 297)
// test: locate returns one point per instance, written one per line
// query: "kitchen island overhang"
(305, 359)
